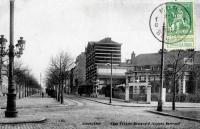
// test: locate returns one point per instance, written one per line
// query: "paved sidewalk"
(191, 114)
(188, 111)
(35, 101)
(120, 102)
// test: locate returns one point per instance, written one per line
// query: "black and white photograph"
(99, 64)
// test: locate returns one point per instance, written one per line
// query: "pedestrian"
(42, 94)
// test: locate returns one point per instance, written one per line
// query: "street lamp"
(3, 44)
(111, 80)
(20, 47)
(11, 96)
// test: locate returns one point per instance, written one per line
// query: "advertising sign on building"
(107, 71)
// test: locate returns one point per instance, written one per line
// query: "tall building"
(100, 53)
(99, 57)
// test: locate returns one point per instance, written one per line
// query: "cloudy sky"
(50, 26)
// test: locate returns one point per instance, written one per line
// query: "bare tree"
(52, 81)
(24, 80)
(177, 62)
(57, 72)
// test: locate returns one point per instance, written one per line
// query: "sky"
(51, 26)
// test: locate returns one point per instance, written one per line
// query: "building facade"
(79, 72)
(100, 56)
(147, 67)
(101, 53)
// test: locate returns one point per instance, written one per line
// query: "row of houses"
(92, 72)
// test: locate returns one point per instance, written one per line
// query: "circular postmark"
(176, 18)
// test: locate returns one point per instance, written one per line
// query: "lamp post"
(111, 79)
(11, 96)
(96, 88)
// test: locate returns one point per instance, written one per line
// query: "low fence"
(133, 97)
(119, 95)
(194, 98)
(138, 97)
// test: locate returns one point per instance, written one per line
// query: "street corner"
(176, 115)
(23, 119)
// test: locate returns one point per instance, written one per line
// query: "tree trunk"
(19, 91)
(174, 93)
(25, 90)
(62, 92)
(59, 93)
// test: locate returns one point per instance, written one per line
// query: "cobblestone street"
(83, 114)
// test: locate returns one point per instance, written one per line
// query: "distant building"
(100, 53)
(147, 67)
(71, 81)
(98, 64)
(80, 71)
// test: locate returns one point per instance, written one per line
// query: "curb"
(47, 106)
(130, 105)
(95, 101)
(23, 119)
(114, 104)
(74, 101)
(180, 117)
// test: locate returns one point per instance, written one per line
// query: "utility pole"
(159, 108)
(111, 78)
(40, 83)
(1, 64)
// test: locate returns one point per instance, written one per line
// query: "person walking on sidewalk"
(42, 94)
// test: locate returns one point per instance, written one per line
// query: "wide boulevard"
(85, 114)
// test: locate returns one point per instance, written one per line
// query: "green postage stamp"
(179, 25)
